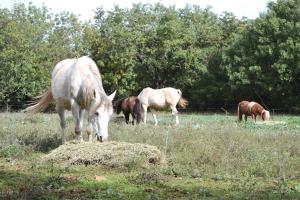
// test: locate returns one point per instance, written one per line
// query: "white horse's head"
(101, 117)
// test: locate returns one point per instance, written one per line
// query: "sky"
(85, 8)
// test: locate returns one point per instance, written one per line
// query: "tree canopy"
(217, 60)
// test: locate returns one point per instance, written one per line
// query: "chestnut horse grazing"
(127, 106)
(252, 109)
(76, 85)
(160, 98)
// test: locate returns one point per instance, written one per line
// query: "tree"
(31, 43)
(264, 61)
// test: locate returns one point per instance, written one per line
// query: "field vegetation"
(206, 156)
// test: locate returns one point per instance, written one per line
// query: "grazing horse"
(127, 106)
(76, 85)
(158, 99)
(252, 109)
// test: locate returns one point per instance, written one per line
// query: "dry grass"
(271, 123)
(206, 155)
(112, 154)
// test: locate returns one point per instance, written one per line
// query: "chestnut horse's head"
(265, 115)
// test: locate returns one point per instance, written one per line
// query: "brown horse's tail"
(239, 114)
(40, 104)
(138, 110)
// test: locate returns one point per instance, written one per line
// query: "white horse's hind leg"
(155, 119)
(61, 113)
(175, 113)
(144, 107)
(78, 124)
(81, 116)
(154, 116)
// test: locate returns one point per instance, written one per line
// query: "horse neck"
(259, 108)
(118, 105)
(94, 104)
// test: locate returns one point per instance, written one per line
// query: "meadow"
(208, 156)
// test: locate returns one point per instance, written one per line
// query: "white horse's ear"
(112, 96)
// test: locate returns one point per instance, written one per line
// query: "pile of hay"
(112, 154)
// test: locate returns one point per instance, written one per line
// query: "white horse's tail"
(182, 101)
(41, 104)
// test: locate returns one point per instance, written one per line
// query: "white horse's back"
(75, 79)
(159, 97)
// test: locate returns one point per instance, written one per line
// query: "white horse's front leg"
(90, 129)
(61, 113)
(176, 120)
(145, 112)
(77, 115)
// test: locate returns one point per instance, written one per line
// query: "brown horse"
(128, 106)
(252, 109)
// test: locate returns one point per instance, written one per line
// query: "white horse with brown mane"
(76, 85)
(161, 98)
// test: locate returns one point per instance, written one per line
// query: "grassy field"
(206, 157)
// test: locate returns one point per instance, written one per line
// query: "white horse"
(76, 85)
(161, 98)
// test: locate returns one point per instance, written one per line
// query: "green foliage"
(215, 60)
(265, 58)
(15, 151)
(158, 46)
(32, 41)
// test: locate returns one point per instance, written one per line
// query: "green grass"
(207, 157)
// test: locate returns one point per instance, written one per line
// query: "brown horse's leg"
(245, 117)
(133, 118)
(253, 118)
(126, 117)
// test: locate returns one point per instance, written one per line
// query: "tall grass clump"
(217, 147)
